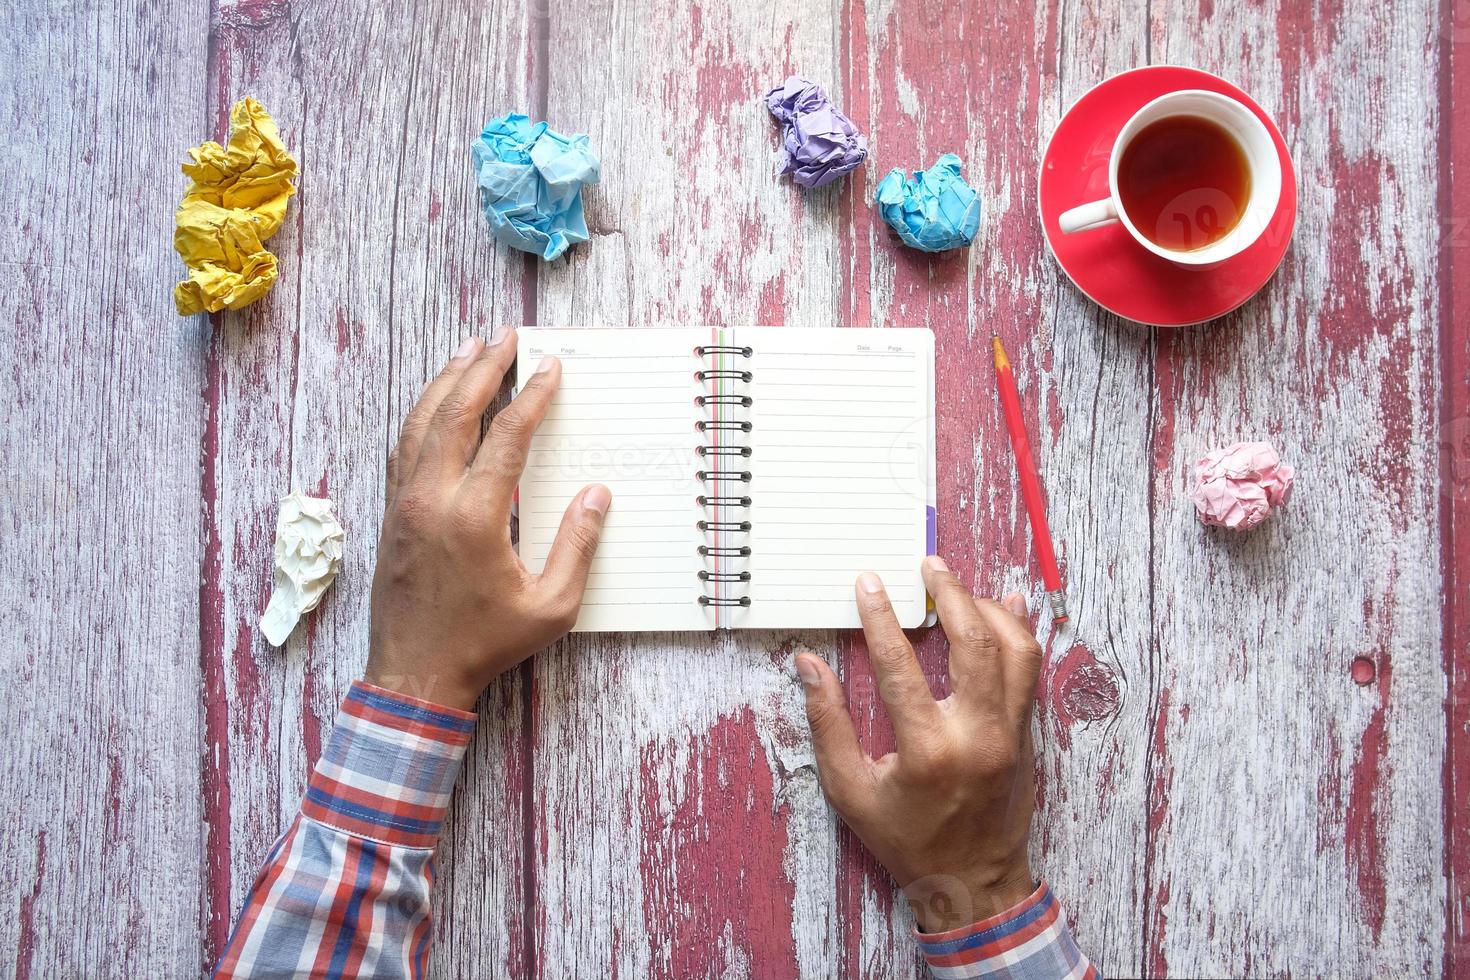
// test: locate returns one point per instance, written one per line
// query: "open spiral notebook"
(755, 471)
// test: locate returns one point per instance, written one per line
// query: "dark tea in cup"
(1184, 182)
(1193, 177)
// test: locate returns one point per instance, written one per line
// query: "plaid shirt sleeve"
(345, 891)
(1029, 941)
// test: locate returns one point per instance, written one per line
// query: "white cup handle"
(1088, 216)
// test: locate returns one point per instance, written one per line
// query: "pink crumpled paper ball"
(1238, 486)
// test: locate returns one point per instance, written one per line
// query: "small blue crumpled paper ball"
(934, 210)
(531, 180)
(820, 144)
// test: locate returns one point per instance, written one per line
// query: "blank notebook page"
(841, 441)
(624, 417)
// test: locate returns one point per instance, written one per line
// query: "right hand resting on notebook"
(452, 605)
(949, 813)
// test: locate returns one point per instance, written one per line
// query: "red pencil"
(1010, 402)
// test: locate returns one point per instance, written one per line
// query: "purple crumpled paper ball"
(1238, 486)
(820, 143)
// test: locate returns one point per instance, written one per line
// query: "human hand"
(452, 605)
(949, 813)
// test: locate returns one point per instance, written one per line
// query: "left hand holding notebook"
(452, 605)
(948, 813)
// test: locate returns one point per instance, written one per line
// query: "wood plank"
(249, 788)
(990, 86)
(1276, 774)
(99, 438)
(1454, 444)
(680, 831)
(386, 266)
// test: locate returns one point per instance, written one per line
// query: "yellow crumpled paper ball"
(236, 200)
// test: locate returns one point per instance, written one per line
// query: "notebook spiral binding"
(720, 584)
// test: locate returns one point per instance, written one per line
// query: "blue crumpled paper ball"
(934, 210)
(531, 180)
(820, 143)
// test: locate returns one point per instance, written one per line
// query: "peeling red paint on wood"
(311, 724)
(693, 228)
(1157, 925)
(1078, 689)
(251, 13)
(215, 904)
(920, 88)
(344, 332)
(1159, 769)
(1333, 363)
(246, 695)
(1454, 443)
(1329, 792)
(713, 903)
(316, 378)
(1156, 875)
(100, 440)
(25, 949)
(1366, 802)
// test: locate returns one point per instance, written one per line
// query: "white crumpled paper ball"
(308, 556)
(1238, 486)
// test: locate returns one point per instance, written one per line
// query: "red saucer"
(1112, 269)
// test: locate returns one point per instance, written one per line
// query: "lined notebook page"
(842, 448)
(624, 416)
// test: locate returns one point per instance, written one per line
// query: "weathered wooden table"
(1219, 796)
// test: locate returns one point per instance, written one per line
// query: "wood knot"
(1083, 690)
(1089, 692)
(252, 13)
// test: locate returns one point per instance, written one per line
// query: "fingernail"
(547, 363)
(1015, 602)
(467, 348)
(496, 336)
(807, 671)
(935, 564)
(597, 499)
(870, 583)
